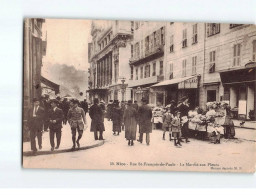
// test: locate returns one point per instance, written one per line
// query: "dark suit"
(35, 125)
(55, 128)
(97, 123)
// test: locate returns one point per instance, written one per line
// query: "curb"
(250, 128)
(30, 153)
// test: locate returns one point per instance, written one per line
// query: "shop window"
(147, 44)
(141, 72)
(171, 44)
(213, 29)
(194, 38)
(194, 62)
(184, 66)
(154, 69)
(184, 38)
(137, 50)
(212, 61)
(236, 54)
(211, 95)
(161, 70)
(254, 50)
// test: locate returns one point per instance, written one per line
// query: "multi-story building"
(184, 54)
(34, 50)
(210, 62)
(147, 60)
(230, 55)
(109, 54)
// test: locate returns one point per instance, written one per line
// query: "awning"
(184, 82)
(50, 85)
(243, 75)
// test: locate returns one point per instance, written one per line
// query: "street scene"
(139, 95)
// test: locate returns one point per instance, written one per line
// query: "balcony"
(150, 54)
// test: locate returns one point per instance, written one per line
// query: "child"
(176, 128)
(216, 134)
(167, 119)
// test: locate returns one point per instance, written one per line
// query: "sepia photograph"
(139, 95)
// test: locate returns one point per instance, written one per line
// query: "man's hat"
(54, 101)
(172, 102)
(46, 95)
(116, 102)
(184, 98)
(75, 101)
(35, 99)
(129, 101)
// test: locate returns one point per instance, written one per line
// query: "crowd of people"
(52, 114)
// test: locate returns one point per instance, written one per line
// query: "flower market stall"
(206, 122)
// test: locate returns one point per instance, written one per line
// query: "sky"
(67, 43)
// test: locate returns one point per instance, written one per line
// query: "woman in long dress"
(116, 118)
(130, 123)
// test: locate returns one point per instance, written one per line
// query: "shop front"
(239, 91)
(175, 89)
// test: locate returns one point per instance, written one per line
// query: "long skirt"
(116, 126)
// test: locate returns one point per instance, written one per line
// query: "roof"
(172, 81)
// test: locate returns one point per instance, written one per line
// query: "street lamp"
(123, 87)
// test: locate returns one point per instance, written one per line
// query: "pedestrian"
(116, 117)
(167, 119)
(35, 124)
(109, 109)
(145, 117)
(135, 105)
(176, 129)
(184, 108)
(84, 105)
(55, 123)
(65, 108)
(77, 121)
(130, 123)
(229, 127)
(46, 106)
(97, 124)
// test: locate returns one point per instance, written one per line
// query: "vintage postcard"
(139, 95)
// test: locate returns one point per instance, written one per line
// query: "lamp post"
(123, 87)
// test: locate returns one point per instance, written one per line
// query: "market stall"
(204, 123)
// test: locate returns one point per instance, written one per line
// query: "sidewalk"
(86, 142)
(247, 124)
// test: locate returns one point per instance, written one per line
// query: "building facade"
(230, 66)
(147, 60)
(184, 62)
(34, 50)
(109, 54)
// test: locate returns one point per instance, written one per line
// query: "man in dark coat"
(97, 123)
(109, 109)
(55, 123)
(135, 105)
(46, 105)
(130, 122)
(116, 117)
(35, 124)
(84, 105)
(65, 108)
(184, 109)
(145, 117)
